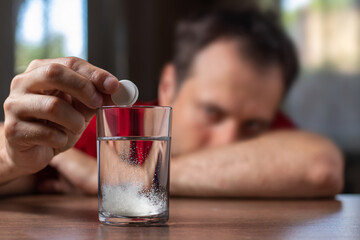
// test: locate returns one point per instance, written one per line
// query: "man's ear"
(167, 85)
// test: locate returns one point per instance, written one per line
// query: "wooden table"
(75, 217)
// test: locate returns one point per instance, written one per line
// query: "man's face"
(224, 99)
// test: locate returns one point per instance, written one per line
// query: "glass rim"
(134, 107)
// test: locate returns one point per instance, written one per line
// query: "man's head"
(229, 73)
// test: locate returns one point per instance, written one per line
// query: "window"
(326, 98)
(327, 33)
(49, 29)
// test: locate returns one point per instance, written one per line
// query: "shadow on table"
(234, 218)
(77, 217)
(53, 205)
(134, 232)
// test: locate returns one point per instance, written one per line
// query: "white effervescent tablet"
(127, 94)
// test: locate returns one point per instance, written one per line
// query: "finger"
(78, 168)
(88, 113)
(104, 81)
(34, 133)
(51, 108)
(51, 77)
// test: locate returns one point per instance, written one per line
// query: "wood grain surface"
(75, 217)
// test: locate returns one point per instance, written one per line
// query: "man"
(229, 74)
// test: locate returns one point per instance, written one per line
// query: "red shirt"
(87, 142)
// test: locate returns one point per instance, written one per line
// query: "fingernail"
(111, 84)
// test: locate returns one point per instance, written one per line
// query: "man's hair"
(260, 36)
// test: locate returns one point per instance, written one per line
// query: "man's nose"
(226, 133)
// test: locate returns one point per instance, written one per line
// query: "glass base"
(159, 219)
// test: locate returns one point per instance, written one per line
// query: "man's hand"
(48, 108)
(78, 174)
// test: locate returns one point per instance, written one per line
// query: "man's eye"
(212, 114)
(253, 128)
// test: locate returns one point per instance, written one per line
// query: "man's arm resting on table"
(276, 164)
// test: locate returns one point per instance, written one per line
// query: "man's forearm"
(278, 164)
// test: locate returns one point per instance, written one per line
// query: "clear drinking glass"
(133, 151)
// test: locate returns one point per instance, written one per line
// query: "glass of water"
(133, 151)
